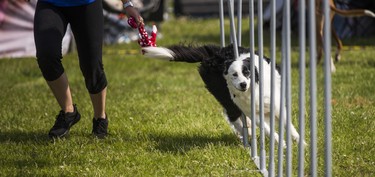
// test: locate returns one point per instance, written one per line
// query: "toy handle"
(144, 39)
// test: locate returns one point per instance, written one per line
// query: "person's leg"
(87, 26)
(98, 103)
(49, 29)
(61, 91)
(100, 120)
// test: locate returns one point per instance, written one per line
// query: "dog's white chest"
(242, 99)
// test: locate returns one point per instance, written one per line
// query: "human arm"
(132, 12)
(136, 21)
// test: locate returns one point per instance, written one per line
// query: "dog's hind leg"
(333, 67)
(319, 36)
(338, 43)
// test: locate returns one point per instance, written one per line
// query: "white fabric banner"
(16, 29)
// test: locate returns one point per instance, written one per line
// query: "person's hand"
(132, 12)
(144, 40)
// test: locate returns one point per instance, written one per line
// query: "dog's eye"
(246, 73)
(235, 74)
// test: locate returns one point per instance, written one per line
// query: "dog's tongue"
(144, 40)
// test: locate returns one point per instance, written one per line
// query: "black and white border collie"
(228, 80)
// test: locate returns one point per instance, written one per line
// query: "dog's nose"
(243, 85)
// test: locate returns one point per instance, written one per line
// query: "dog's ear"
(247, 63)
(256, 74)
(226, 66)
(227, 52)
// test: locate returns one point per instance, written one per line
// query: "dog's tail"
(353, 12)
(181, 53)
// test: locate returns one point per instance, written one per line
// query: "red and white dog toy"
(144, 40)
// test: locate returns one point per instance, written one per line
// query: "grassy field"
(163, 122)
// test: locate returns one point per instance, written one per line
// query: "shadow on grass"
(24, 137)
(181, 143)
(38, 137)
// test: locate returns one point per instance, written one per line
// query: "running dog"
(320, 24)
(228, 80)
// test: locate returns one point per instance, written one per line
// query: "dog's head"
(238, 74)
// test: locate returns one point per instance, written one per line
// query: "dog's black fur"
(212, 65)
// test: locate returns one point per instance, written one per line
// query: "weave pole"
(232, 28)
(221, 15)
(302, 83)
(271, 165)
(254, 153)
(239, 22)
(313, 90)
(261, 88)
(327, 91)
(281, 123)
(288, 78)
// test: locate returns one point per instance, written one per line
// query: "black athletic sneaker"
(99, 127)
(63, 123)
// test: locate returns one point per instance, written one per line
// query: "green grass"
(163, 122)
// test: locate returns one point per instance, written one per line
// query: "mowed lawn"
(163, 122)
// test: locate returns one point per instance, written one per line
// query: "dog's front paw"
(333, 68)
(304, 143)
(337, 57)
(298, 140)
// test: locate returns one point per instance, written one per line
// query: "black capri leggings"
(50, 24)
